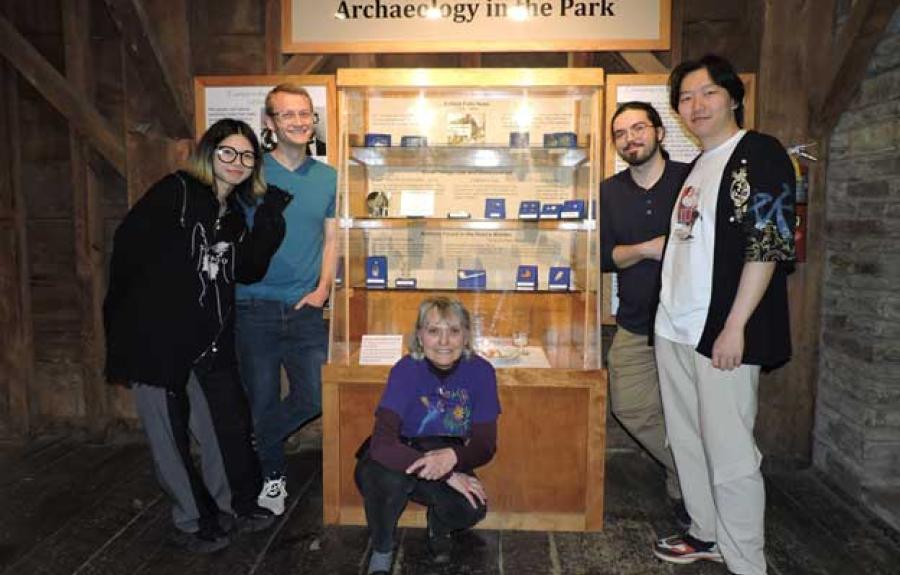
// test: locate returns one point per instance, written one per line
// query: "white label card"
(380, 349)
(417, 203)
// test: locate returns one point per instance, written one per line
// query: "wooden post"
(273, 36)
(88, 223)
(17, 354)
(795, 34)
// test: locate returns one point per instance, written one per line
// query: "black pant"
(386, 492)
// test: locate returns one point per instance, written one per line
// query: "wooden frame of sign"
(654, 88)
(247, 97)
(536, 44)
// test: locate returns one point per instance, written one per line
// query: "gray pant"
(710, 415)
(635, 400)
(217, 418)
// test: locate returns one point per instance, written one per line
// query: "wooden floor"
(71, 507)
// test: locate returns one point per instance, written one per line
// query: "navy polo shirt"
(629, 214)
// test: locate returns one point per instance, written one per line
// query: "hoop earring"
(269, 140)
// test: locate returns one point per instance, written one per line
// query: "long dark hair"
(722, 73)
(200, 162)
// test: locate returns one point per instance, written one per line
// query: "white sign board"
(373, 26)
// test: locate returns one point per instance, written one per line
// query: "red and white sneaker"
(683, 549)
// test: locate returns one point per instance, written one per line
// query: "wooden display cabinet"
(459, 153)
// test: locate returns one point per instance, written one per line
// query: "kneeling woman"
(435, 423)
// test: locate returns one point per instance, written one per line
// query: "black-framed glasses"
(291, 115)
(228, 155)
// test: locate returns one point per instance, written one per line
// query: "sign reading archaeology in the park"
(372, 26)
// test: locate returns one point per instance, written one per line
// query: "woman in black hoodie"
(169, 319)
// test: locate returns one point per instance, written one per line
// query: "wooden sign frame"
(399, 45)
(613, 82)
(201, 83)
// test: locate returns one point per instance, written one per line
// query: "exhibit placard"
(385, 26)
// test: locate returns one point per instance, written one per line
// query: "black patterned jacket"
(754, 223)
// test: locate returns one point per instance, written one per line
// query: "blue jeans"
(271, 334)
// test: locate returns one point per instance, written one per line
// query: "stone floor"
(70, 507)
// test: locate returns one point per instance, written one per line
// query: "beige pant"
(710, 415)
(635, 401)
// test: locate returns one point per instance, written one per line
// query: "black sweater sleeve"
(386, 447)
(480, 447)
(256, 247)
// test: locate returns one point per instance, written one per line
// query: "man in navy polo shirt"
(635, 207)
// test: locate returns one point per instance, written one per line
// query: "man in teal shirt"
(279, 320)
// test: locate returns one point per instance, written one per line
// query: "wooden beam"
(363, 61)
(302, 64)
(470, 60)
(51, 84)
(849, 60)
(162, 85)
(579, 59)
(644, 62)
(88, 223)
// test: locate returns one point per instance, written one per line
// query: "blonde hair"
(446, 308)
(286, 88)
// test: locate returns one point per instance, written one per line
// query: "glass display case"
(480, 185)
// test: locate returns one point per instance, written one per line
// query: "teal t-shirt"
(294, 269)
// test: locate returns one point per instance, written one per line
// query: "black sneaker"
(258, 519)
(440, 546)
(201, 542)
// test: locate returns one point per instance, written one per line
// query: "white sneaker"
(273, 494)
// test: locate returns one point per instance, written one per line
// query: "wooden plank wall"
(60, 200)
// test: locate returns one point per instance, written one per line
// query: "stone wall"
(857, 431)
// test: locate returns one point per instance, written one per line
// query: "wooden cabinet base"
(548, 472)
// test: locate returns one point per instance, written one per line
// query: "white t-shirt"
(688, 263)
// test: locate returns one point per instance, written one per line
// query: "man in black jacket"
(722, 315)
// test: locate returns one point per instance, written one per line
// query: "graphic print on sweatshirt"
(448, 412)
(215, 262)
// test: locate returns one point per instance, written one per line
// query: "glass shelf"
(444, 158)
(465, 224)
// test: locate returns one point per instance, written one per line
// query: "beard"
(639, 156)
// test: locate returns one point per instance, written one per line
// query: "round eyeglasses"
(228, 155)
(636, 130)
(291, 115)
